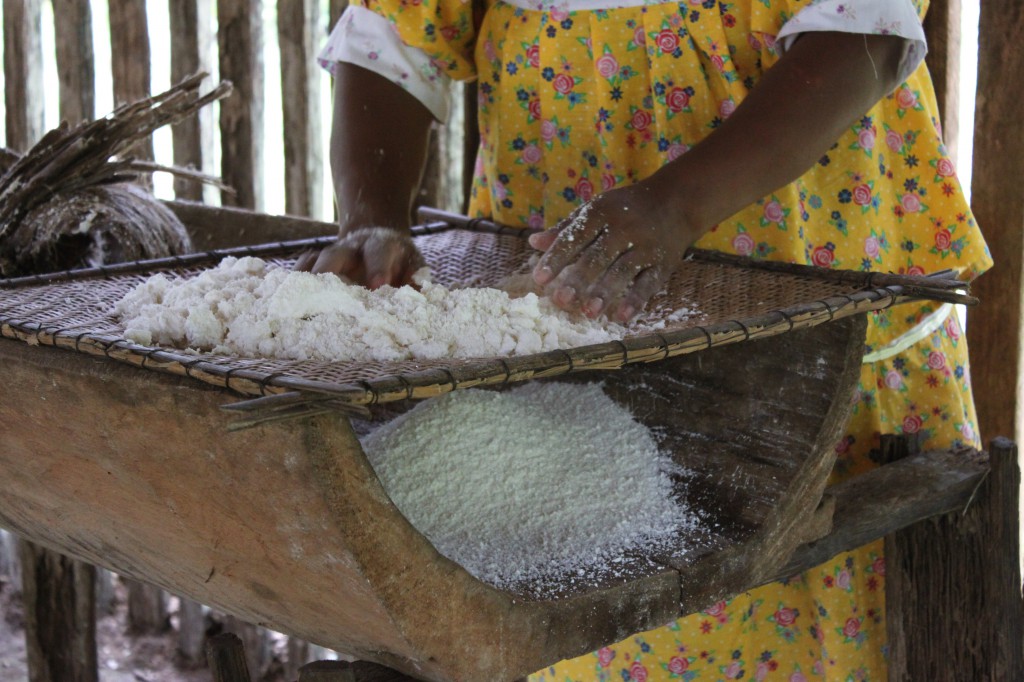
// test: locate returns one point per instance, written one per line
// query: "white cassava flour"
(530, 485)
(248, 307)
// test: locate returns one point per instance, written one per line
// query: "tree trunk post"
(60, 616)
(953, 586)
(225, 655)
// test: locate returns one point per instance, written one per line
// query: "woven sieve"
(739, 300)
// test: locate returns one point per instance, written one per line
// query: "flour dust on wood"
(532, 488)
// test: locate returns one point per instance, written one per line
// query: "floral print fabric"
(573, 103)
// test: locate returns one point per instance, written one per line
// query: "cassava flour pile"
(528, 486)
(248, 307)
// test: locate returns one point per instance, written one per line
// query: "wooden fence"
(226, 38)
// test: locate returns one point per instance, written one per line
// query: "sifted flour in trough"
(530, 486)
(248, 307)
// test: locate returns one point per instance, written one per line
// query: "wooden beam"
(889, 498)
(298, 33)
(942, 28)
(186, 60)
(953, 600)
(994, 327)
(215, 227)
(23, 73)
(239, 40)
(76, 70)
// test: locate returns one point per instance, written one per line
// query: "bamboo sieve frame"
(871, 291)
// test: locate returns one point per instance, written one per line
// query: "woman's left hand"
(613, 253)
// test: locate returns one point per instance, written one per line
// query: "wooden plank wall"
(239, 39)
(298, 35)
(301, 28)
(75, 63)
(186, 60)
(130, 59)
(942, 27)
(23, 72)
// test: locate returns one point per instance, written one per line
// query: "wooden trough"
(286, 525)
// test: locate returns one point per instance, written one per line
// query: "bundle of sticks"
(73, 199)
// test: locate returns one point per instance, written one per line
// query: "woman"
(795, 130)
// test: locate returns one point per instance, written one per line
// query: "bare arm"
(378, 150)
(633, 238)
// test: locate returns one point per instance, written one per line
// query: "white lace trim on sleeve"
(364, 38)
(872, 17)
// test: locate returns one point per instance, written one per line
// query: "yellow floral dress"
(574, 102)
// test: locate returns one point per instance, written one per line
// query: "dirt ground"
(122, 657)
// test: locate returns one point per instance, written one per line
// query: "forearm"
(378, 149)
(801, 106)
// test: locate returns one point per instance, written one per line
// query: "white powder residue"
(577, 221)
(251, 308)
(530, 485)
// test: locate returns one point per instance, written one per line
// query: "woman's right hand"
(370, 256)
(378, 150)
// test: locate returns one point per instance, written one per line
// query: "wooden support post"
(953, 586)
(76, 70)
(105, 597)
(130, 62)
(255, 641)
(239, 40)
(23, 73)
(432, 186)
(994, 328)
(186, 60)
(470, 141)
(10, 565)
(191, 631)
(60, 616)
(297, 656)
(942, 28)
(147, 608)
(298, 33)
(225, 655)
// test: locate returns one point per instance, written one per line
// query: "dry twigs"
(68, 202)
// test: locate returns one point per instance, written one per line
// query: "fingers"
(339, 260)
(574, 283)
(566, 242)
(304, 263)
(388, 256)
(645, 286)
(542, 241)
(373, 257)
(611, 288)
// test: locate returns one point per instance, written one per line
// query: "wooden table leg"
(59, 594)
